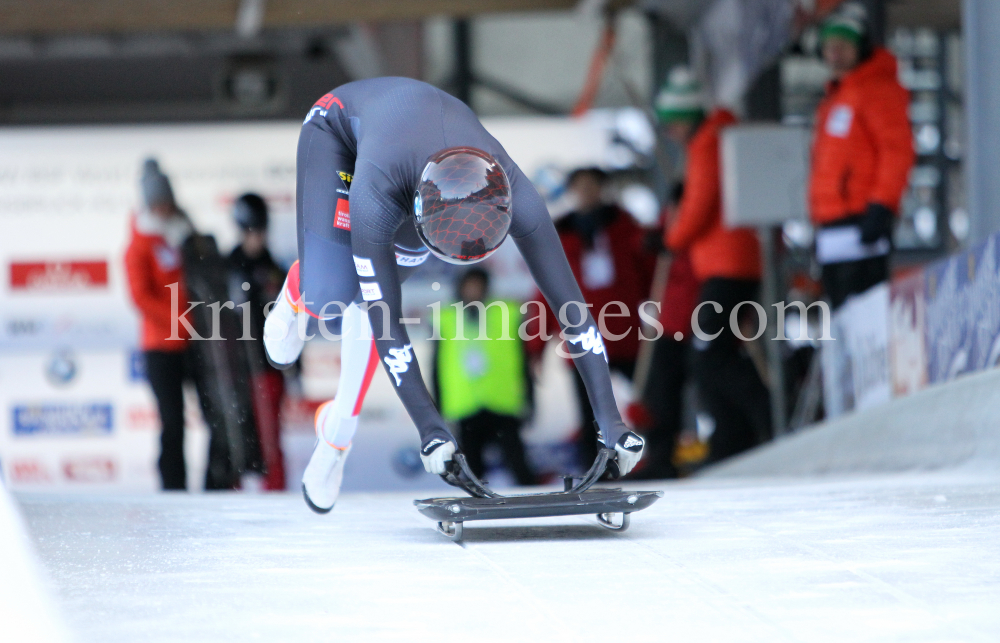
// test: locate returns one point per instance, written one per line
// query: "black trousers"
(729, 385)
(586, 441)
(476, 431)
(166, 372)
(663, 397)
(841, 280)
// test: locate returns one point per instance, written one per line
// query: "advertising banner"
(75, 409)
(942, 322)
(856, 371)
(907, 348)
(963, 313)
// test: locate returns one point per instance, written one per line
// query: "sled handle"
(458, 474)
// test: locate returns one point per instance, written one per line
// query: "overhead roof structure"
(50, 17)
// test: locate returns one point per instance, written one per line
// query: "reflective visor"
(462, 205)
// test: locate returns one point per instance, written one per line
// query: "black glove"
(876, 224)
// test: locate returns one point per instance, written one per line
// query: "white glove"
(629, 451)
(436, 454)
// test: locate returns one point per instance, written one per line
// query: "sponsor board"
(835, 359)
(58, 275)
(141, 417)
(856, 372)
(943, 322)
(63, 419)
(907, 351)
(868, 343)
(62, 368)
(28, 471)
(983, 305)
(75, 328)
(89, 469)
(948, 337)
(136, 366)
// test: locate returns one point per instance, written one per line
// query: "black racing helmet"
(250, 212)
(462, 205)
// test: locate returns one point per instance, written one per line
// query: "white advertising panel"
(74, 409)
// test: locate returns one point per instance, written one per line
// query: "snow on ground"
(877, 558)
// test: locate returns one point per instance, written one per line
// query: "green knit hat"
(680, 99)
(849, 21)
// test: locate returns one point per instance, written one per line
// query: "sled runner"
(576, 499)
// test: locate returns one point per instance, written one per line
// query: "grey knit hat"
(156, 186)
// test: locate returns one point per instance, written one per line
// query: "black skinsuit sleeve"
(375, 218)
(539, 244)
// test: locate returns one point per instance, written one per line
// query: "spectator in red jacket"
(156, 282)
(607, 252)
(727, 263)
(862, 155)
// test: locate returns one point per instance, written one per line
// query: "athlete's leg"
(337, 420)
(323, 282)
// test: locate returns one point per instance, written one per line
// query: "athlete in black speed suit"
(387, 143)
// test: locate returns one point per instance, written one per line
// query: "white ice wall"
(26, 610)
(949, 425)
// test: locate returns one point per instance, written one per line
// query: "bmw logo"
(61, 369)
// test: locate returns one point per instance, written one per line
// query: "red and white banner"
(58, 275)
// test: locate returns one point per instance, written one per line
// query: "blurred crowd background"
(689, 151)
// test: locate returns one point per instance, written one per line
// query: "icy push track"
(914, 558)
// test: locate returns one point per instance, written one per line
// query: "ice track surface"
(874, 558)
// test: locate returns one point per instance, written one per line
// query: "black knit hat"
(250, 212)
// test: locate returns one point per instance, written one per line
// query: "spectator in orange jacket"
(153, 268)
(727, 263)
(861, 159)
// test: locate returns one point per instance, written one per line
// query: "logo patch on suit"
(370, 291)
(590, 341)
(342, 218)
(364, 267)
(409, 261)
(399, 362)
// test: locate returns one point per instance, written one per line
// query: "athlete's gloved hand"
(628, 451)
(876, 224)
(436, 451)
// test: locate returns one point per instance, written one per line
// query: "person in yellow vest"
(480, 375)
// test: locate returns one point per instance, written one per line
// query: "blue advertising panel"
(63, 419)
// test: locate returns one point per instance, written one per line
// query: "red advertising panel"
(58, 275)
